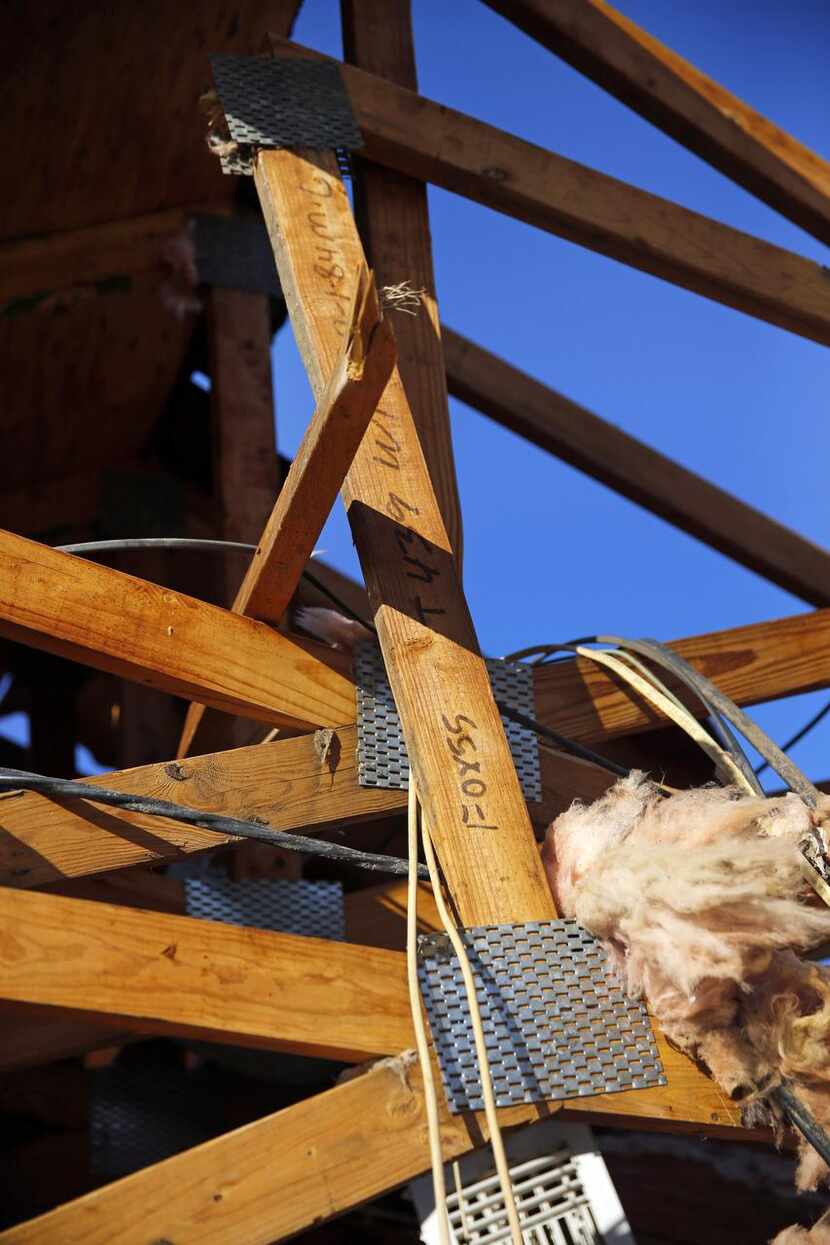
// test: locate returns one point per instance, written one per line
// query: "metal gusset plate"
(557, 1023)
(234, 253)
(313, 909)
(283, 102)
(382, 758)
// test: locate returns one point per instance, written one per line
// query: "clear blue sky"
(549, 554)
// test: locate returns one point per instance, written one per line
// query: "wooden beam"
(129, 627)
(438, 678)
(753, 664)
(286, 784)
(157, 973)
(393, 216)
(628, 466)
(423, 139)
(31, 269)
(346, 1147)
(661, 86)
(332, 437)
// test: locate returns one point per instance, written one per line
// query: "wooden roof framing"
(86, 964)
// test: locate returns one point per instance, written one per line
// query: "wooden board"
(347, 1146)
(393, 216)
(423, 139)
(158, 973)
(285, 783)
(90, 613)
(628, 466)
(438, 678)
(701, 114)
(760, 662)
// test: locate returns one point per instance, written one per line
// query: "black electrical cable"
(802, 1118)
(561, 741)
(799, 735)
(65, 788)
(199, 545)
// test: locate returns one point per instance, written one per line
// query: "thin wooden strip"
(704, 116)
(138, 630)
(606, 453)
(158, 973)
(423, 139)
(454, 735)
(354, 388)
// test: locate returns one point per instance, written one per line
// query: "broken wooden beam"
(635, 470)
(455, 739)
(157, 973)
(393, 216)
(661, 86)
(139, 630)
(426, 140)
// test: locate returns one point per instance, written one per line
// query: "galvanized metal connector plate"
(382, 759)
(557, 1023)
(283, 102)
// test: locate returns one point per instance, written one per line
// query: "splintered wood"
(459, 755)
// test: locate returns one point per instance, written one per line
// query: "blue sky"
(550, 554)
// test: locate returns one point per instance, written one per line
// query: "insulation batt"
(702, 907)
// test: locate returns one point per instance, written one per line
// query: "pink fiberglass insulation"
(701, 904)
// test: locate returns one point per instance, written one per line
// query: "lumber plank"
(285, 783)
(138, 630)
(346, 1146)
(426, 140)
(628, 466)
(679, 99)
(393, 218)
(359, 377)
(440, 684)
(160, 973)
(752, 664)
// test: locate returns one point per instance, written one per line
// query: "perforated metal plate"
(556, 1020)
(382, 758)
(283, 102)
(313, 909)
(234, 253)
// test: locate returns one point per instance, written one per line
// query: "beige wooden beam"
(393, 216)
(129, 627)
(157, 973)
(633, 469)
(661, 86)
(423, 139)
(313, 1161)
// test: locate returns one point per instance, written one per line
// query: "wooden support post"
(354, 389)
(393, 217)
(701, 114)
(457, 748)
(157, 973)
(603, 451)
(423, 139)
(138, 630)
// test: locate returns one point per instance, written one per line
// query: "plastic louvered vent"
(563, 1193)
(556, 1021)
(381, 752)
(313, 909)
